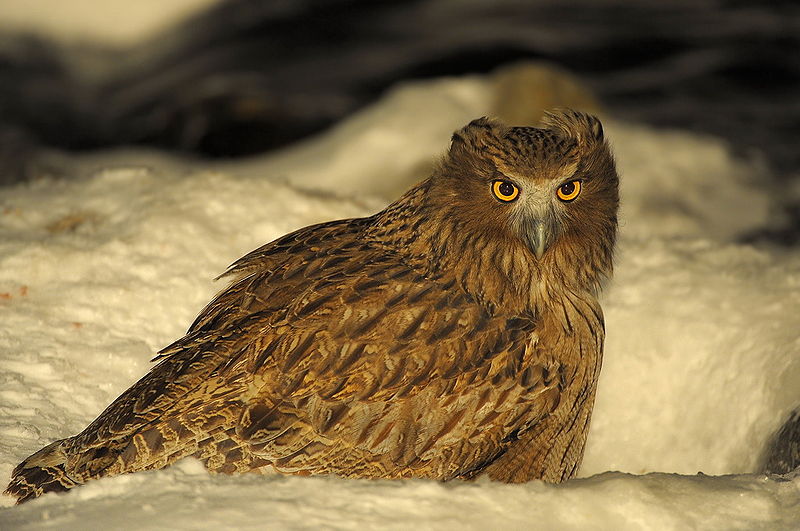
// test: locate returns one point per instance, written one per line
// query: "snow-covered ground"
(99, 271)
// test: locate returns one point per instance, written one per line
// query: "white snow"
(99, 271)
(117, 23)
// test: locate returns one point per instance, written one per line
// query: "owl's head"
(550, 190)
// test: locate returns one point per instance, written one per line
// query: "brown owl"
(455, 333)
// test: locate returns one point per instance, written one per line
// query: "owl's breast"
(570, 336)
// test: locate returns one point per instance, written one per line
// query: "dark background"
(249, 76)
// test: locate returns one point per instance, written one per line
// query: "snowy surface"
(110, 22)
(99, 271)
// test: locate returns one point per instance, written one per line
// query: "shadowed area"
(247, 76)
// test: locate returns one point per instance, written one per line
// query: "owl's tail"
(42, 472)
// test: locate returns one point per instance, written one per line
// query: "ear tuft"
(584, 127)
(475, 134)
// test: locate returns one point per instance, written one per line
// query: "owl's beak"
(539, 236)
(536, 222)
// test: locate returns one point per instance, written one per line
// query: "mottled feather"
(425, 341)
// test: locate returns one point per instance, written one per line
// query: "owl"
(455, 334)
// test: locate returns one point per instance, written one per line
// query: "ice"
(99, 271)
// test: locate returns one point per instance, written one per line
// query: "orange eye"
(505, 191)
(569, 191)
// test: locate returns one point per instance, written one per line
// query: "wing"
(182, 381)
(387, 373)
(329, 354)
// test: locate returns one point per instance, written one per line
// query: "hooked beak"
(539, 236)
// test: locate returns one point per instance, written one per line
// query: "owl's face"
(552, 190)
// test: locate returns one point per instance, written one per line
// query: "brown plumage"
(455, 333)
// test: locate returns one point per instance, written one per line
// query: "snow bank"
(117, 23)
(701, 365)
(185, 497)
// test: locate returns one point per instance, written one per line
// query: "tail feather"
(40, 473)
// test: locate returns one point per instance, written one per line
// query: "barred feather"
(425, 341)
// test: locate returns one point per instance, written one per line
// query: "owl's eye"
(569, 191)
(505, 191)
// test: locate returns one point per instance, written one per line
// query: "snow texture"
(99, 271)
(118, 23)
